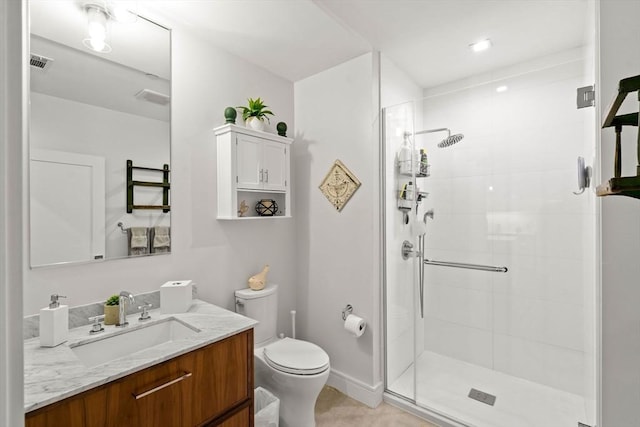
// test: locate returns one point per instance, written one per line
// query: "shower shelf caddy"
(165, 185)
(622, 185)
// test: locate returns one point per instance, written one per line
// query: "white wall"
(503, 196)
(13, 83)
(399, 115)
(337, 251)
(218, 255)
(64, 125)
(620, 327)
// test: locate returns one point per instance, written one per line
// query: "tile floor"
(334, 409)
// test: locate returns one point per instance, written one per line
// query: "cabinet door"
(223, 377)
(241, 417)
(84, 410)
(249, 162)
(275, 166)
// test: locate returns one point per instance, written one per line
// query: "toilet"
(293, 370)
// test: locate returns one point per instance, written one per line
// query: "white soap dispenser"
(54, 323)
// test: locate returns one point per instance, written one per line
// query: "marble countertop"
(53, 374)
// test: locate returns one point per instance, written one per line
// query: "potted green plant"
(112, 310)
(255, 114)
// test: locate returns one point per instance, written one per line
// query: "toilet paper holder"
(346, 311)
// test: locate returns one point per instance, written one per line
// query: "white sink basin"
(128, 341)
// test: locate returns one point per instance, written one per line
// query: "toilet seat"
(296, 357)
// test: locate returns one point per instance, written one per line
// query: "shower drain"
(483, 397)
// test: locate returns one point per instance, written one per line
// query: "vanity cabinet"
(211, 386)
(252, 166)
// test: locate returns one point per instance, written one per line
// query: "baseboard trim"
(356, 389)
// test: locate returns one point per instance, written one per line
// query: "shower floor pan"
(444, 384)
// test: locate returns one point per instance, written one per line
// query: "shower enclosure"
(490, 271)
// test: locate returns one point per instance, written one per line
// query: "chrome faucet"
(124, 297)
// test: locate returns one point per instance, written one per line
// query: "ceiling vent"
(152, 96)
(41, 62)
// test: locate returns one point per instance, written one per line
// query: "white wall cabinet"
(252, 166)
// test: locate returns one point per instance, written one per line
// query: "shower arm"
(420, 132)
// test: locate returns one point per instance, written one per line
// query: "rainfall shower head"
(448, 141)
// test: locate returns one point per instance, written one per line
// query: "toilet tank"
(262, 306)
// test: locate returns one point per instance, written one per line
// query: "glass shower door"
(401, 302)
(516, 348)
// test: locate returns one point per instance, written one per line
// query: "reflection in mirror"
(98, 98)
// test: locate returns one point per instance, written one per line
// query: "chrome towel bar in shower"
(469, 266)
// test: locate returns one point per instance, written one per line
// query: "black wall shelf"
(165, 185)
(622, 185)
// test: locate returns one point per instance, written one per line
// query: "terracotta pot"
(111, 314)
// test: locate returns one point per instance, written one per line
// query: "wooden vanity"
(209, 386)
(208, 383)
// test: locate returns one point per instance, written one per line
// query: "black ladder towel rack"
(165, 185)
(622, 185)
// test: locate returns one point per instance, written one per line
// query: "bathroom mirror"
(99, 97)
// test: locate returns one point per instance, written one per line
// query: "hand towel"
(138, 237)
(161, 240)
(138, 240)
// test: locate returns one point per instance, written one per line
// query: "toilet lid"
(296, 357)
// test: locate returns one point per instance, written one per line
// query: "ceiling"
(295, 39)
(427, 38)
(109, 80)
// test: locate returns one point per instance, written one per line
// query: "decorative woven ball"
(266, 207)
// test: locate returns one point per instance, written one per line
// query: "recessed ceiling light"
(501, 89)
(480, 46)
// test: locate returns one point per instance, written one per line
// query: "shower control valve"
(407, 250)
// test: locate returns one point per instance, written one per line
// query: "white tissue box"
(175, 296)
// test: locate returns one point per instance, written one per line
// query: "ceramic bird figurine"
(243, 208)
(259, 281)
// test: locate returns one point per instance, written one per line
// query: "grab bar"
(469, 266)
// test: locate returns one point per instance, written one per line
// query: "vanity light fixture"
(97, 20)
(481, 45)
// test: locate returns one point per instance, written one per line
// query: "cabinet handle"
(267, 175)
(160, 387)
(261, 175)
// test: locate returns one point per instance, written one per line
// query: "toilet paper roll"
(355, 325)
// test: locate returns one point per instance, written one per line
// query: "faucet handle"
(145, 314)
(96, 326)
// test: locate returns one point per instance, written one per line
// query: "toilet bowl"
(293, 370)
